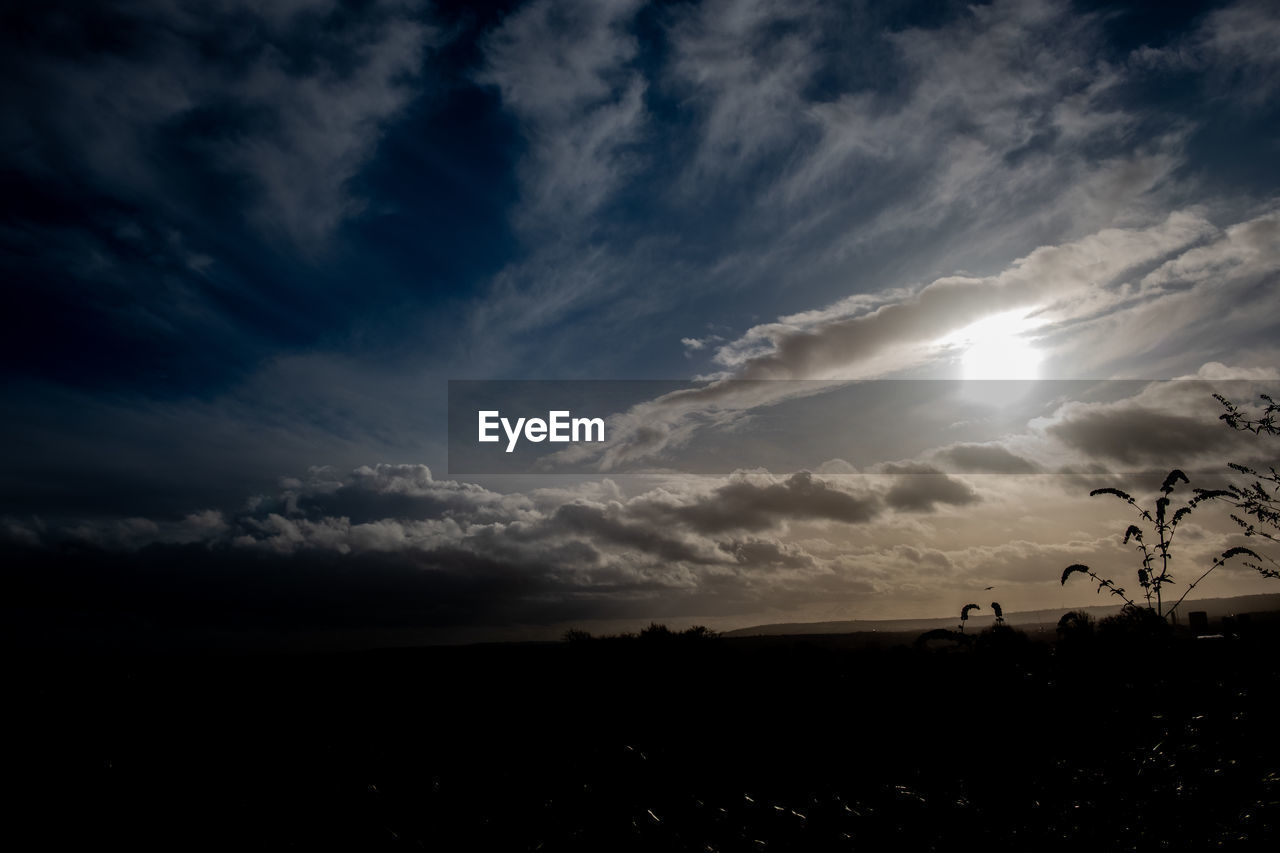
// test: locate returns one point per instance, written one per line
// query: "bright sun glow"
(997, 348)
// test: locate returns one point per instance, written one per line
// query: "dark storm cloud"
(930, 557)
(747, 505)
(1141, 481)
(597, 524)
(755, 553)
(362, 506)
(919, 488)
(987, 459)
(1134, 435)
(447, 552)
(391, 507)
(389, 491)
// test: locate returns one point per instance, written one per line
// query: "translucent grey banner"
(962, 426)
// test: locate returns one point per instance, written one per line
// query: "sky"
(246, 246)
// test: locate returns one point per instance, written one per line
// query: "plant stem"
(1193, 586)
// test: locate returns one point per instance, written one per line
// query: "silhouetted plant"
(656, 631)
(964, 614)
(1259, 500)
(999, 611)
(940, 634)
(574, 635)
(1163, 525)
(1236, 419)
(1001, 638)
(1075, 625)
(1134, 623)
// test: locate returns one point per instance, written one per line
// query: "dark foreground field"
(653, 744)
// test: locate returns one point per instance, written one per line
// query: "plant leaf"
(1070, 570)
(1169, 482)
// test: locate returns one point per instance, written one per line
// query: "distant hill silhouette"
(1216, 608)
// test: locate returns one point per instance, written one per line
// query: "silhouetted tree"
(1075, 625)
(939, 634)
(1134, 624)
(1001, 639)
(656, 631)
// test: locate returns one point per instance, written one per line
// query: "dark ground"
(654, 744)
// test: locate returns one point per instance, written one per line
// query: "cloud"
(766, 150)
(832, 191)
(325, 125)
(987, 459)
(1209, 303)
(390, 544)
(1242, 35)
(390, 507)
(744, 65)
(833, 344)
(689, 537)
(758, 553)
(755, 504)
(978, 103)
(385, 491)
(568, 72)
(600, 524)
(1231, 47)
(287, 102)
(562, 69)
(851, 339)
(920, 488)
(1136, 436)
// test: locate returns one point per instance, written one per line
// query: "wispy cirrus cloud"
(228, 86)
(957, 144)
(563, 69)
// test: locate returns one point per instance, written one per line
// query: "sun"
(1001, 358)
(998, 347)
